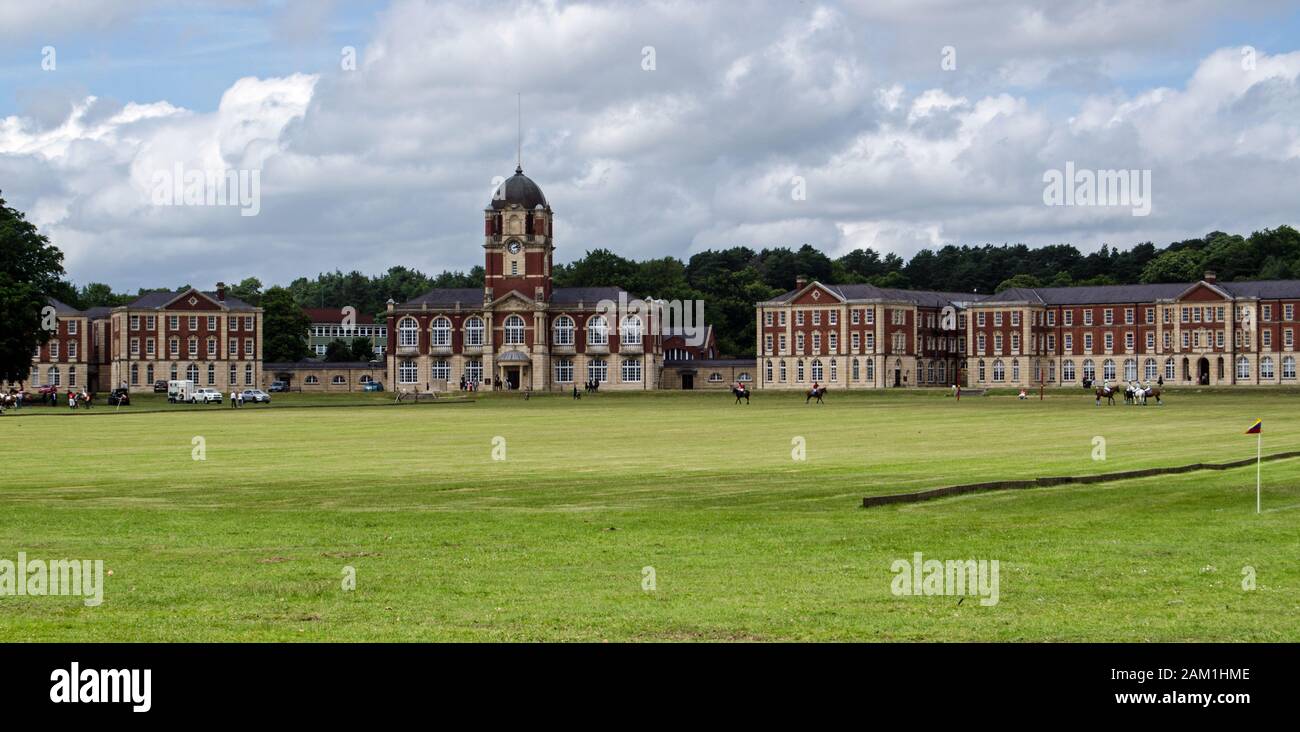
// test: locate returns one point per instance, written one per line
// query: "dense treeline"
(731, 280)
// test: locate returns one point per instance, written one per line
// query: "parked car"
(160, 386)
(205, 396)
(372, 386)
(119, 397)
(257, 396)
(278, 386)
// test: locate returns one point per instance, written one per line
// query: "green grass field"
(251, 543)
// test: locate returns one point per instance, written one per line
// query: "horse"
(740, 393)
(1105, 391)
(1141, 395)
(817, 394)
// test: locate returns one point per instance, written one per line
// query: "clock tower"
(517, 227)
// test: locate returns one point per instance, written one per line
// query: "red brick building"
(210, 338)
(519, 331)
(860, 337)
(1204, 333)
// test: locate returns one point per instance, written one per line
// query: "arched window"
(192, 373)
(744, 377)
(871, 370)
(407, 372)
(1288, 367)
(630, 331)
(817, 369)
(715, 378)
(563, 331)
(135, 373)
(1266, 367)
(798, 371)
(311, 379)
(514, 330)
(1067, 370)
(365, 379)
(767, 372)
(943, 372)
(999, 370)
(1243, 367)
(597, 331)
(1015, 369)
(212, 374)
(248, 374)
(1149, 370)
(408, 332)
(1130, 369)
(474, 331)
(983, 373)
(440, 331)
(1170, 370)
(1089, 370)
(855, 370)
(53, 377)
(338, 379)
(784, 372)
(1108, 369)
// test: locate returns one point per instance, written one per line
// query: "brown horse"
(817, 394)
(740, 394)
(1108, 392)
(1141, 397)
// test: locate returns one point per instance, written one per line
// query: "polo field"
(652, 516)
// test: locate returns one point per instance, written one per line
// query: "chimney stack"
(800, 282)
(221, 291)
(1210, 276)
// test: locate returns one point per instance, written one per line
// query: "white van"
(179, 391)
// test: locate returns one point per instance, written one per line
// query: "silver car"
(256, 396)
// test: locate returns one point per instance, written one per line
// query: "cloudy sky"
(655, 129)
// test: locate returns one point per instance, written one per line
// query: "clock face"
(513, 247)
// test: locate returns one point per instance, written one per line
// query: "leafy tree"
(338, 350)
(30, 270)
(362, 349)
(1183, 265)
(284, 326)
(249, 290)
(1020, 280)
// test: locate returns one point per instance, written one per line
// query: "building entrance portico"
(513, 369)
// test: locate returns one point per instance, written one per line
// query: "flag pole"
(1259, 456)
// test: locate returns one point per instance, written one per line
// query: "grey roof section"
(448, 297)
(519, 189)
(62, 308)
(1095, 295)
(513, 357)
(574, 295)
(98, 313)
(1264, 289)
(159, 299)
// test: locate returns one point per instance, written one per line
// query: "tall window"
(564, 335)
(440, 332)
(564, 370)
(407, 372)
(441, 370)
(597, 331)
(514, 327)
(192, 373)
(474, 370)
(1243, 367)
(631, 369)
(408, 335)
(1149, 369)
(817, 369)
(1266, 367)
(1170, 369)
(1288, 367)
(598, 370)
(212, 374)
(999, 370)
(1108, 370)
(473, 331)
(1130, 369)
(248, 374)
(1067, 370)
(1089, 370)
(52, 376)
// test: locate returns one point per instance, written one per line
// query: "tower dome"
(519, 189)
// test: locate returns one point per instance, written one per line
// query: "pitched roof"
(447, 297)
(1264, 289)
(160, 299)
(1090, 295)
(62, 308)
(866, 291)
(574, 295)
